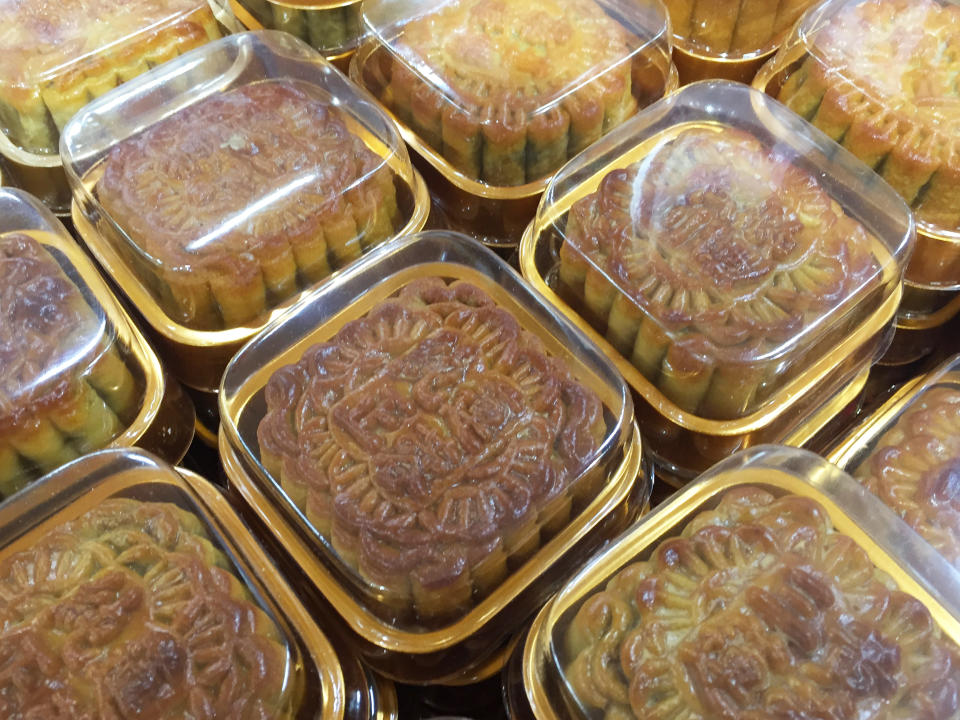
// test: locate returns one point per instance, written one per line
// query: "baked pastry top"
(130, 612)
(880, 79)
(64, 387)
(245, 197)
(429, 442)
(709, 256)
(507, 91)
(55, 56)
(759, 611)
(915, 468)
(733, 27)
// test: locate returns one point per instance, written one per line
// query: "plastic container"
(57, 57)
(431, 601)
(497, 96)
(180, 519)
(333, 28)
(737, 632)
(728, 39)
(693, 238)
(217, 188)
(76, 375)
(907, 453)
(871, 74)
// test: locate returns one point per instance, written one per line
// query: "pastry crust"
(881, 80)
(193, 196)
(508, 91)
(711, 262)
(432, 442)
(759, 610)
(733, 27)
(915, 469)
(65, 389)
(130, 611)
(56, 55)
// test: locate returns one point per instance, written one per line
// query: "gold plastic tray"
(198, 357)
(164, 424)
(540, 682)
(496, 215)
(689, 443)
(919, 335)
(693, 66)
(47, 183)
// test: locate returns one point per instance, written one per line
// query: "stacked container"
(332, 28)
(217, 188)
(877, 77)
(710, 606)
(741, 269)
(494, 97)
(414, 388)
(729, 39)
(77, 375)
(188, 582)
(56, 57)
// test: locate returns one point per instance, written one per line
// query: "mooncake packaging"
(741, 269)
(497, 96)
(877, 76)
(217, 188)
(729, 39)
(772, 586)
(57, 56)
(432, 449)
(76, 375)
(332, 27)
(133, 589)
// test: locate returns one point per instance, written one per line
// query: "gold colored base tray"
(693, 66)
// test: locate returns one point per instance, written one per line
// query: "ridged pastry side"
(704, 261)
(66, 390)
(509, 104)
(734, 27)
(45, 79)
(758, 609)
(882, 85)
(208, 263)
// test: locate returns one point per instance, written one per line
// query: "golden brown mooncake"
(129, 611)
(57, 55)
(733, 27)
(915, 468)
(332, 30)
(244, 198)
(759, 611)
(881, 81)
(718, 267)
(65, 388)
(508, 91)
(432, 442)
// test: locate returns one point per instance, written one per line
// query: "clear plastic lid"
(504, 93)
(56, 56)
(234, 177)
(773, 586)
(725, 247)
(732, 28)
(69, 384)
(908, 454)
(879, 77)
(155, 600)
(435, 433)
